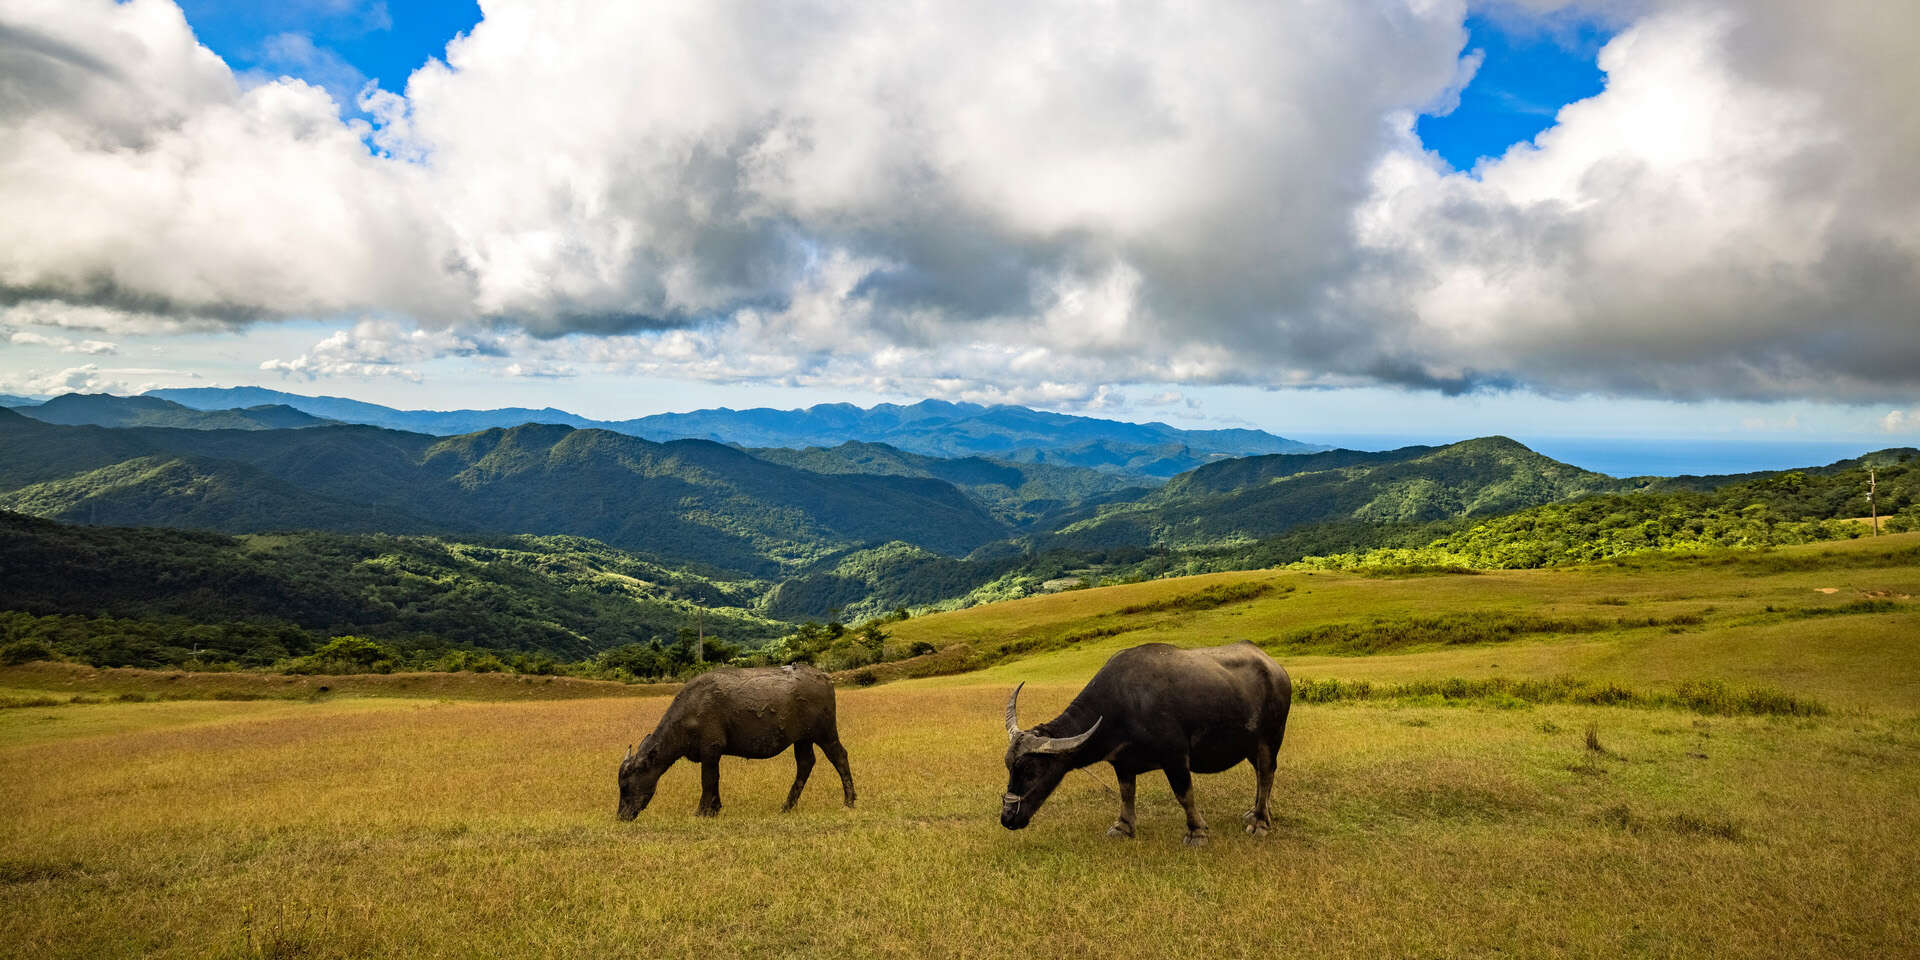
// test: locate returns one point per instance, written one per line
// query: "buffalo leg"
(1258, 819)
(837, 755)
(1181, 780)
(1123, 827)
(709, 787)
(802, 768)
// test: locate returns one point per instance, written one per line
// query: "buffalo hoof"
(1256, 824)
(1198, 838)
(707, 812)
(1121, 830)
(1258, 829)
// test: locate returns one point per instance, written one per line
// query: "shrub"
(1218, 595)
(26, 651)
(346, 654)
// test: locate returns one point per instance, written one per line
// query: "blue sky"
(1527, 72)
(346, 42)
(560, 248)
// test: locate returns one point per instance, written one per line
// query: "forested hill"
(685, 502)
(1692, 513)
(1022, 494)
(1255, 498)
(148, 597)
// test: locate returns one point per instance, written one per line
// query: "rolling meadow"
(1684, 756)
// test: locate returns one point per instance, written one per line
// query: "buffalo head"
(637, 781)
(1035, 765)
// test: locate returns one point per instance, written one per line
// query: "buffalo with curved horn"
(1157, 707)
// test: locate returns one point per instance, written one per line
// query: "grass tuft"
(1621, 816)
(31, 871)
(1844, 610)
(1593, 741)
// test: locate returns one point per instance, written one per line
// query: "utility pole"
(700, 644)
(1873, 509)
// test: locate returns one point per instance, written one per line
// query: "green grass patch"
(1844, 610)
(1379, 634)
(1711, 697)
(1218, 595)
(139, 696)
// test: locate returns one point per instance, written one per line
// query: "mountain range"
(931, 428)
(688, 501)
(559, 540)
(855, 527)
(106, 410)
(771, 513)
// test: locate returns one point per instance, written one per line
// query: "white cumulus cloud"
(997, 199)
(62, 344)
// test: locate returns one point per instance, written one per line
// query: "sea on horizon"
(1640, 457)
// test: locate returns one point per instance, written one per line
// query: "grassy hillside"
(1826, 620)
(1429, 817)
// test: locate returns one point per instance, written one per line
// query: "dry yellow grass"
(356, 826)
(63, 680)
(456, 829)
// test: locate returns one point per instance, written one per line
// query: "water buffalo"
(1157, 707)
(754, 713)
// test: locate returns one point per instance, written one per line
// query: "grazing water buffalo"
(1157, 707)
(753, 713)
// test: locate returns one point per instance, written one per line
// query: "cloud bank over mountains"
(992, 201)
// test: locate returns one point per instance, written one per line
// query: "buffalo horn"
(1013, 712)
(1066, 744)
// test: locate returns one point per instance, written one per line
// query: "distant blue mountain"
(15, 400)
(105, 410)
(931, 427)
(443, 423)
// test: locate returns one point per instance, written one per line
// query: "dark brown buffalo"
(1157, 707)
(754, 713)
